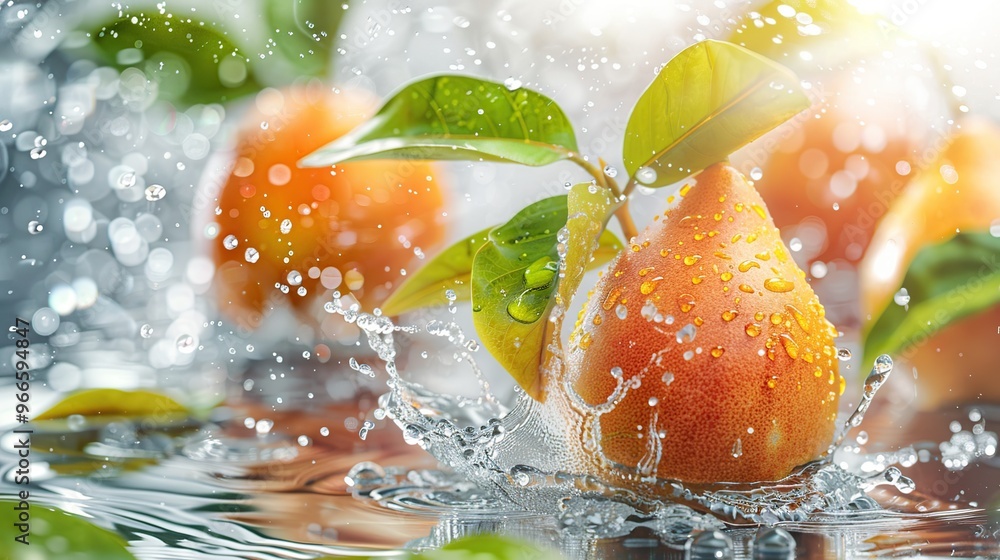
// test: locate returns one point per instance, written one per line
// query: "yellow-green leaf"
(56, 534)
(452, 269)
(115, 403)
(454, 117)
(513, 278)
(708, 101)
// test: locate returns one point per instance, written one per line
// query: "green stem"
(622, 214)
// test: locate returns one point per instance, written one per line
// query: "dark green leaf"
(945, 282)
(708, 101)
(190, 61)
(306, 31)
(457, 118)
(56, 534)
(827, 31)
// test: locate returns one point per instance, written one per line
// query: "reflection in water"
(229, 489)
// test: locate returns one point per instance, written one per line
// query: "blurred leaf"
(452, 269)
(488, 547)
(189, 60)
(945, 282)
(62, 534)
(453, 117)
(828, 30)
(306, 31)
(116, 403)
(708, 101)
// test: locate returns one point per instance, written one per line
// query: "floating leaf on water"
(106, 403)
(52, 529)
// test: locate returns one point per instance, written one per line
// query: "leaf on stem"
(708, 101)
(453, 117)
(516, 273)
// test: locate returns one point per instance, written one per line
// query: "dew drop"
(621, 311)
(778, 285)
(687, 333)
(645, 175)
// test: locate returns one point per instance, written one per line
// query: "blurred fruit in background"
(289, 235)
(832, 174)
(931, 279)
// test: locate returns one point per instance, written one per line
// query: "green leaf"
(516, 273)
(589, 210)
(513, 278)
(190, 61)
(830, 31)
(708, 101)
(945, 282)
(57, 534)
(452, 269)
(105, 403)
(487, 547)
(306, 31)
(457, 118)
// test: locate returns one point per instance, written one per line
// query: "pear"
(704, 347)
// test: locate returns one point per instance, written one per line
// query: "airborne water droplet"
(34, 227)
(155, 192)
(286, 226)
(901, 298)
(230, 242)
(251, 255)
(185, 343)
(146, 330)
